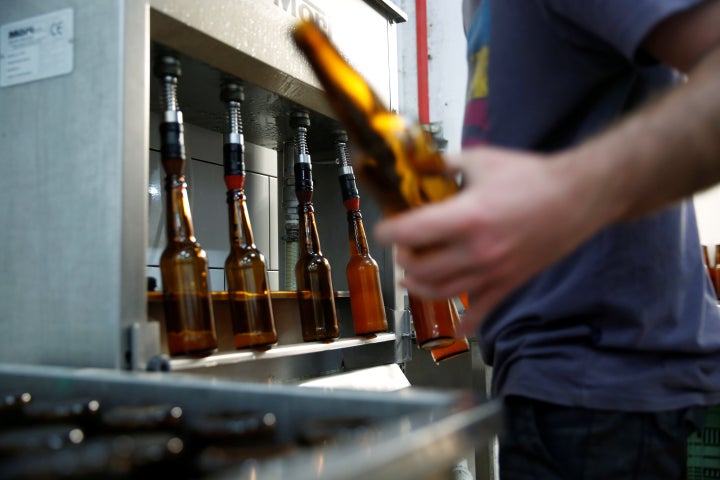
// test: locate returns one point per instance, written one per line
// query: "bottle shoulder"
(359, 260)
(184, 250)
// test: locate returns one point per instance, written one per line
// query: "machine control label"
(36, 48)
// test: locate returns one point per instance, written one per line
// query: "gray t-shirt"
(629, 321)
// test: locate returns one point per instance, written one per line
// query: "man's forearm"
(666, 151)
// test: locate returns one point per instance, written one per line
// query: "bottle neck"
(309, 239)
(241, 234)
(356, 233)
(179, 221)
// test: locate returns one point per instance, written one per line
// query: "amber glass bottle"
(363, 274)
(251, 312)
(458, 347)
(400, 163)
(189, 320)
(715, 272)
(432, 322)
(313, 274)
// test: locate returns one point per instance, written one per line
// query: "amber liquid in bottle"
(251, 312)
(189, 322)
(250, 304)
(715, 272)
(458, 347)
(399, 164)
(314, 282)
(362, 272)
(432, 321)
(313, 275)
(363, 276)
(184, 268)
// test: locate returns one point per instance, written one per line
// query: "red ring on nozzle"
(235, 182)
(352, 204)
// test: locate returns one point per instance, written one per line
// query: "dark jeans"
(546, 441)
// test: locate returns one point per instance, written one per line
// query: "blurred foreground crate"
(703, 450)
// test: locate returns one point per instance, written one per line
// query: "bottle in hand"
(398, 161)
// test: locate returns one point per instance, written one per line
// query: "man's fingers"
(423, 226)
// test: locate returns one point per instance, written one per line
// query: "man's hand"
(517, 214)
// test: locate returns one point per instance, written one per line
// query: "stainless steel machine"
(78, 181)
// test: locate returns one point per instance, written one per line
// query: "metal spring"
(233, 117)
(169, 94)
(301, 141)
(341, 152)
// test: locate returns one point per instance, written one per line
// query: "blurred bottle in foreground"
(458, 347)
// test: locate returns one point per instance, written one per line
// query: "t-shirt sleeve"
(623, 24)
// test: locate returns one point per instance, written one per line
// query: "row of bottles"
(399, 163)
(189, 319)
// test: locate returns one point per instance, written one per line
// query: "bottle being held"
(363, 274)
(400, 163)
(251, 312)
(316, 296)
(189, 322)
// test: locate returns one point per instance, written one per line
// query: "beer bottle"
(183, 264)
(715, 272)
(363, 274)
(458, 347)
(251, 312)
(432, 322)
(316, 296)
(400, 163)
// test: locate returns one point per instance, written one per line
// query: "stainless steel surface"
(391, 11)
(291, 359)
(76, 213)
(250, 40)
(293, 363)
(417, 434)
(73, 181)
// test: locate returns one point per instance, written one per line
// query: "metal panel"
(73, 174)
(414, 434)
(250, 39)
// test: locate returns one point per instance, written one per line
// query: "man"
(585, 279)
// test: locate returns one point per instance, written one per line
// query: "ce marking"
(56, 29)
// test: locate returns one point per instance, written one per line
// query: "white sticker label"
(37, 47)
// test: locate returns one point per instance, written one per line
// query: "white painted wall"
(447, 67)
(707, 205)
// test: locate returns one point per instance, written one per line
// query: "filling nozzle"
(346, 175)
(233, 95)
(168, 70)
(300, 121)
(233, 145)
